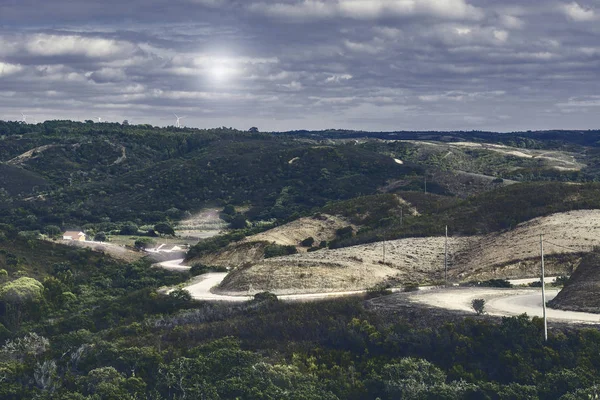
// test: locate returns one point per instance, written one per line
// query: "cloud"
(578, 13)
(378, 64)
(62, 45)
(9, 69)
(337, 78)
(368, 10)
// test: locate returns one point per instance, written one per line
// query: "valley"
(318, 254)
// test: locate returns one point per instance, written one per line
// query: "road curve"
(501, 302)
(201, 286)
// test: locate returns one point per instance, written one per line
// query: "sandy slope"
(564, 233)
(418, 260)
(291, 234)
(251, 249)
(511, 254)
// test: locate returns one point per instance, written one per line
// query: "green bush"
(308, 242)
(276, 250)
(199, 269)
(478, 305)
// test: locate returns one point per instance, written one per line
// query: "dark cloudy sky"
(304, 64)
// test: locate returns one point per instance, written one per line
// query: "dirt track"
(501, 302)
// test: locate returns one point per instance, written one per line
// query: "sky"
(378, 65)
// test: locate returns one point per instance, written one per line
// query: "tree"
(238, 222)
(129, 228)
(253, 130)
(143, 243)
(308, 242)
(164, 229)
(478, 305)
(52, 230)
(100, 237)
(19, 297)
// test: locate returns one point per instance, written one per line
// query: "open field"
(204, 224)
(114, 250)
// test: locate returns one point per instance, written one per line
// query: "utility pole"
(425, 183)
(543, 289)
(446, 258)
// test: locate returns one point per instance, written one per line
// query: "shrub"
(277, 250)
(499, 283)
(265, 297)
(560, 280)
(308, 242)
(378, 291)
(100, 237)
(345, 232)
(478, 305)
(143, 243)
(411, 287)
(199, 269)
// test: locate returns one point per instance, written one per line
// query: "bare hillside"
(321, 227)
(413, 260)
(251, 249)
(511, 254)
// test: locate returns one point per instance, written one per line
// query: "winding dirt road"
(201, 286)
(502, 302)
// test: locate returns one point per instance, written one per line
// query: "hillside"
(415, 260)
(251, 249)
(506, 254)
(88, 173)
(582, 290)
(510, 254)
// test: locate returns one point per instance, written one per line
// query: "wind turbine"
(177, 124)
(24, 118)
(99, 119)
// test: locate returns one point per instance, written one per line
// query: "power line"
(564, 247)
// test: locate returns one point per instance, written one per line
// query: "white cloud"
(294, 86)
(106, 75)
(511, 22)
(371, 9)
(368, 48)
(338, 78)
(63, 45)
(501, 35)
(9, 69)
(577, 13)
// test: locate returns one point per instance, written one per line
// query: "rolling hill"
(582, 291)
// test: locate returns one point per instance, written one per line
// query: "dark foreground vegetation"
(114, 337)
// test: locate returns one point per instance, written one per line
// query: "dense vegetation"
(77, 324)
(504, 208)
(101, 176)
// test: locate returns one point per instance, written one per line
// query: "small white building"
(74, 235)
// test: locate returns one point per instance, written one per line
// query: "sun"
(221, 70)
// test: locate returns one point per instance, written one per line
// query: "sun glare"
(220, 70)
